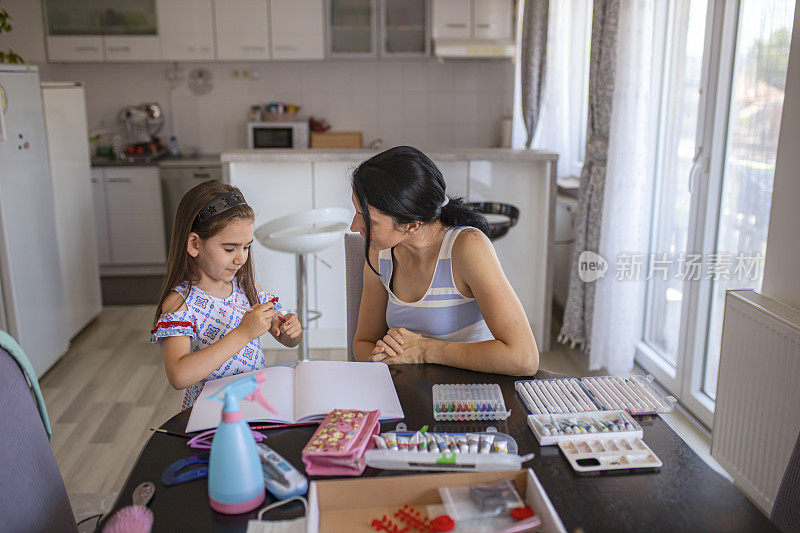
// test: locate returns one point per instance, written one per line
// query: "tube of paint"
(403, 442)
(441, 442)
(461, 441)
(380, 442)
(422, 444)
(473, 440)
(486, 443)
(391, 441)
(451, 444)
(500, 446)
(432, 446)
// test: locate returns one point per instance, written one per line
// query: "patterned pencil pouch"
(337, 447)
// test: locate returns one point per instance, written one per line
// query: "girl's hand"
(289, 325)
(399, 345)
(257, 321)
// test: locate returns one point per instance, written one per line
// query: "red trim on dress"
(174, 324)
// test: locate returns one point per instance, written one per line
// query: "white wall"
(782, 262)
(419, 102)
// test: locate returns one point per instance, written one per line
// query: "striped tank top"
(442, 313)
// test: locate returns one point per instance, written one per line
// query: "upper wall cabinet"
(242, 29)
(298, 29)
(186, 29)
(101, 30)
(473, 19)
(405, 31)
(352, 28)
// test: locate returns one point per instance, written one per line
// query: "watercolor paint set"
(635, 394)
(552, 429)
(468, 402)
(609, 454)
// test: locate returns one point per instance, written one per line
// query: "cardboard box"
(351, 505)
(336, 139)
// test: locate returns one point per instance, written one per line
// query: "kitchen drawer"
(132, 48)
(85, 48)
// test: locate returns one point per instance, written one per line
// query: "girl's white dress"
(205, 320)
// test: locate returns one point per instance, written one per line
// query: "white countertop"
(457, 154)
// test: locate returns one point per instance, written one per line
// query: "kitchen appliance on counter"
(286, 135)
(178, 176)
(33, 308)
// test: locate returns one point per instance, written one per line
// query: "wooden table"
(686, 495)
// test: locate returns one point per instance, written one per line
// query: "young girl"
(212, 312)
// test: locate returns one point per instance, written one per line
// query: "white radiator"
(757, 412)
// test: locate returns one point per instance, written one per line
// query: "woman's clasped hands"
(399, 346)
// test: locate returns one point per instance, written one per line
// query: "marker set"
(552, 429)
(597, 454)
(634, 394)
(476, 401)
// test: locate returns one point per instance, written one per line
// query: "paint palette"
(552, 429)
(609, 453)
(635, 394)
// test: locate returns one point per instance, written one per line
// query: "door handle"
(202, 175)
(3, 107)
(119, 180)
(696, 164)
(455, 25)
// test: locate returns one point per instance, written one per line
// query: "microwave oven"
(286, 135)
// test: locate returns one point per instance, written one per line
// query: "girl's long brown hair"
(183, 267)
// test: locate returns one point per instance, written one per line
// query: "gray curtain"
(577, 327)
(534, 59)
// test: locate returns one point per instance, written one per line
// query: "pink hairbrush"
(136, 518)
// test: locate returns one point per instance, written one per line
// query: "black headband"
(220, 205)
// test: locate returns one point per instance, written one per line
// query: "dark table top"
(685, 495)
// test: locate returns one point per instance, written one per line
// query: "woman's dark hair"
(183, 267)
(406, 185)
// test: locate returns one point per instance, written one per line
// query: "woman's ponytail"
(456, 212)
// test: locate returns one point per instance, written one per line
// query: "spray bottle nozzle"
(246, 388)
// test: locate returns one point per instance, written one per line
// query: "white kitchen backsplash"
(419, 102)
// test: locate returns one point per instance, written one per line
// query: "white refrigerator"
(32, 305)
(71, 173)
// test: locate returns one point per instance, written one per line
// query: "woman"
(434, 290)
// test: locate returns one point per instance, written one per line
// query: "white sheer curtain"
(619, 304)
(562, 120)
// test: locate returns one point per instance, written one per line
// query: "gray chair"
(32, 492)
(354, 279)
(785, 514)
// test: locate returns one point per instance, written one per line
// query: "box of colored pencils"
(636, 395)
(473, 401)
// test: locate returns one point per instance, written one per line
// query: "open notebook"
(306, 393)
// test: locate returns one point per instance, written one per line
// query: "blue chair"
(32, 492)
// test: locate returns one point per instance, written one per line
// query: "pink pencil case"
(337, 447)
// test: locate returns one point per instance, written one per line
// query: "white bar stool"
(302, 233)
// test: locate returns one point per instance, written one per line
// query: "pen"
(282, 426)
(165, 432)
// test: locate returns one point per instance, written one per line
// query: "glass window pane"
(351, 26)
(759, 78)
(678, 124)
(405, 26)
(100, 17)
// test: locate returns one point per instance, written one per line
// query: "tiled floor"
(107, 392)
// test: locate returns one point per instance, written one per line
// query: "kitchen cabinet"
(131, 48)
(128, 216)
(242, 29)
(524, 250)
(452, 19)
(473, 19)
(100, 221)
(492, 19)
(186, 30)
(298, 29)
(101, 30)
(405, 30)
(352, 28)
(81, 48)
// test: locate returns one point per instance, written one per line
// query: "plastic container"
(475, 401)
(635, 394)
(426, 460)
(543, 426)
(609, 453)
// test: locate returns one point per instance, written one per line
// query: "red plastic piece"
(521, 513)
(443, 523)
